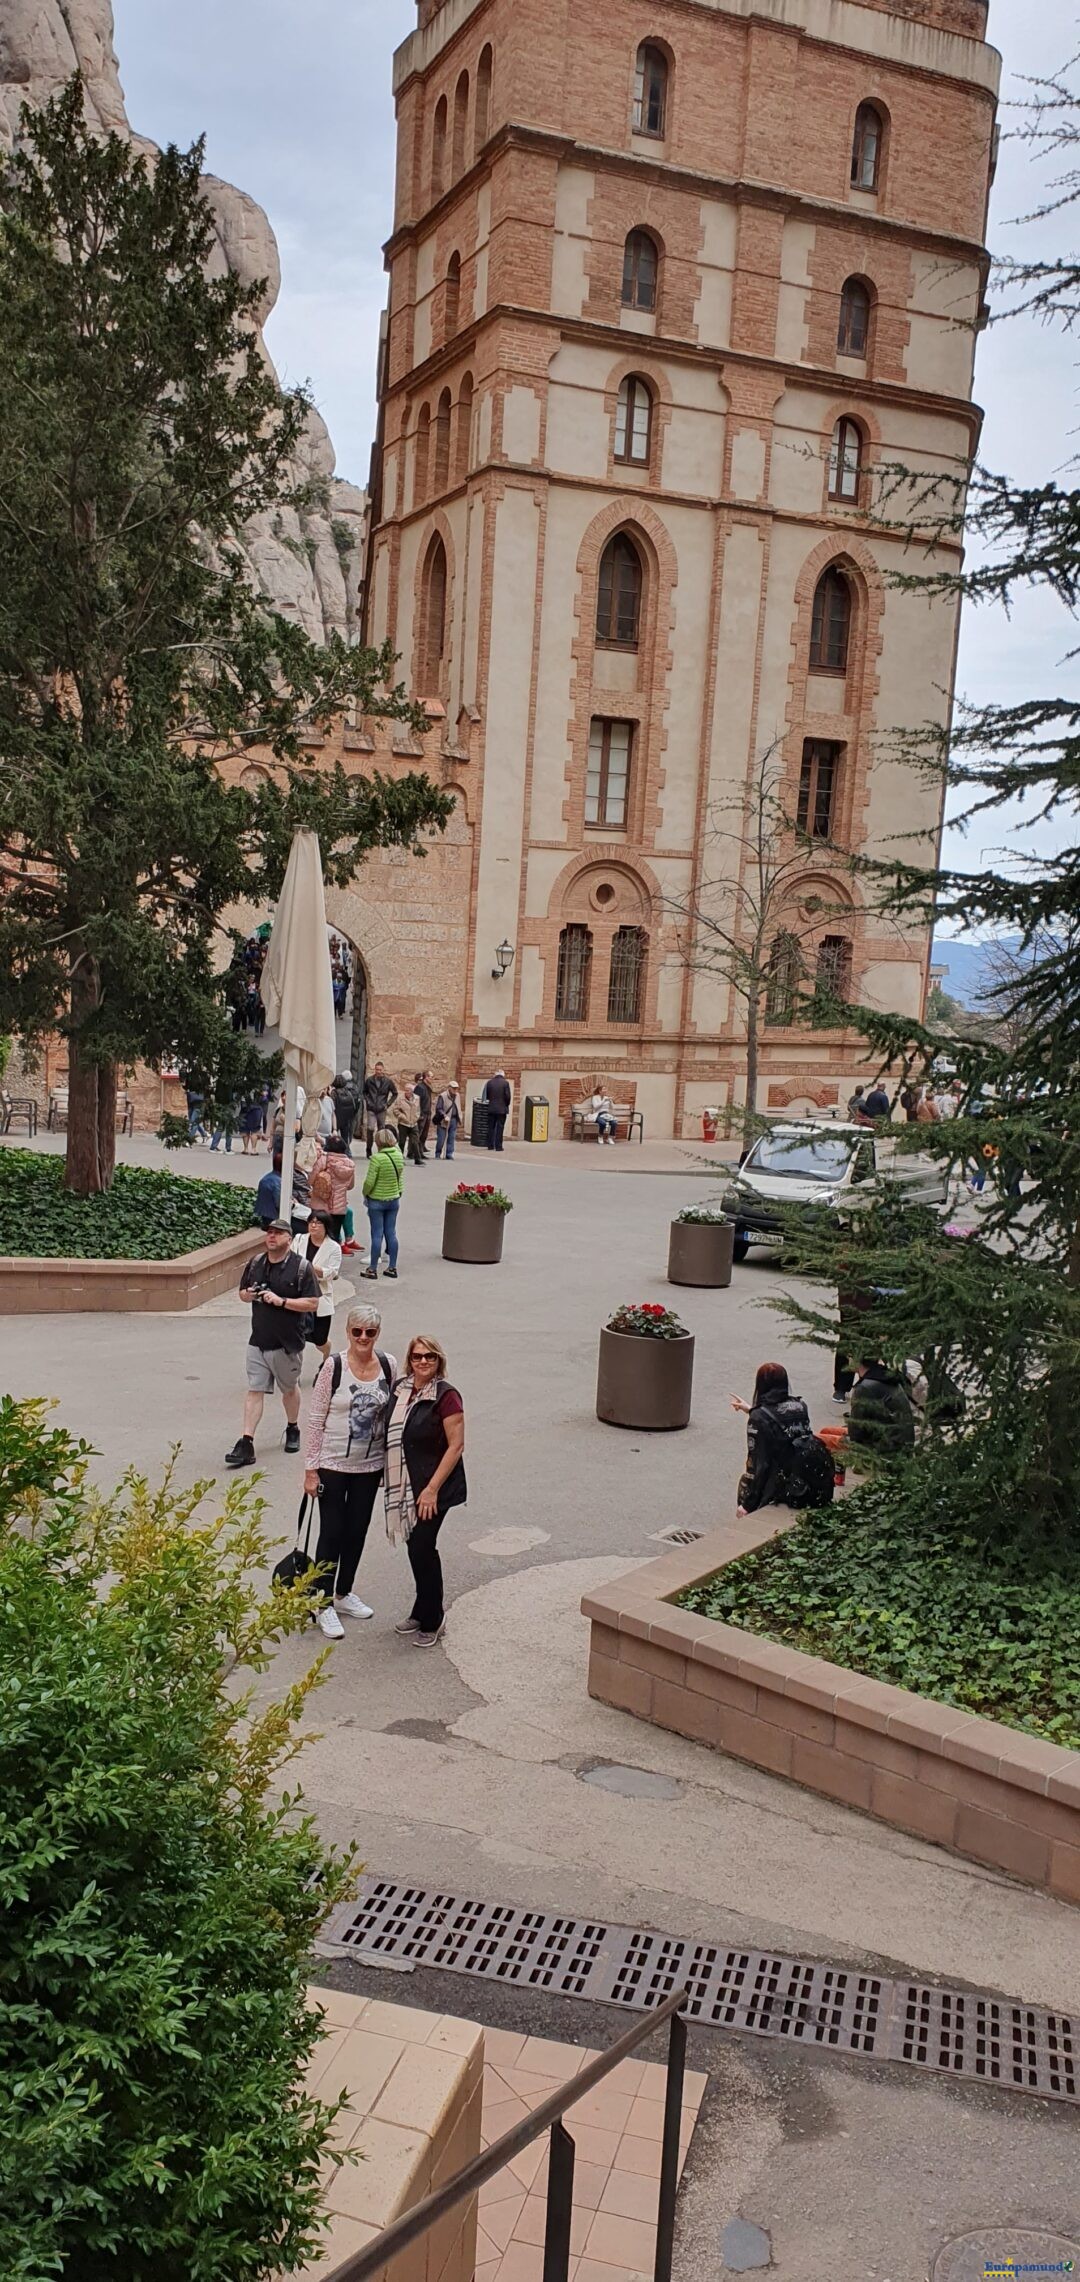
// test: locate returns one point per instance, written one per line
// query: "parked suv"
(833, 1166)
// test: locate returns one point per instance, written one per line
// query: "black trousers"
(422, 1132)
(345, 1126)
(346, 1505)
(423, 1550)
(496, 1127)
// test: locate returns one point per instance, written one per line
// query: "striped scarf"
(397, 1488)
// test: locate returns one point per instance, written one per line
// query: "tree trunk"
(753, 1012)
(91, 1123)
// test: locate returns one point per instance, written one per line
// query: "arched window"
(845, 462)
(423, 455)
(626, 981)
(853, 333)
(832, 982)
(785, 975)
(438, 148)
(433, 620)
(641, 270)
(463, 450)
(633, 422)
(867, 147)
(618, 594)
(574, 975)
(482, 122)
(442, 442)
(452, 304)
(650, 91)
(830, 631)
(461, 124)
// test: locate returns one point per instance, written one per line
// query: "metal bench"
(18, 1105)
(581, 1118)
(58, 1111)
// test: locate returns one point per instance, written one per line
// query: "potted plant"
(473, 1223)
(701, 1247)
(646, 1373)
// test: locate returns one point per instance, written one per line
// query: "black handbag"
(298, 1564)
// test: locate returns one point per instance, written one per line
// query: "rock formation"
(310, 563)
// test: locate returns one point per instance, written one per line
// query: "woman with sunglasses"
(425, 1477)
(346, 1456)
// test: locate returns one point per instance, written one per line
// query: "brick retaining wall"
(985, 1790)
(117, 1287)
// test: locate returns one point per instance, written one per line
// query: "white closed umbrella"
(298, 993)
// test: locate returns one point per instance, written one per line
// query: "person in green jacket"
(881, 1416)
(382, 1196)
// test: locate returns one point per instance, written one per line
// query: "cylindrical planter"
(701, 1252)
(472, 1232)
(645, 1383)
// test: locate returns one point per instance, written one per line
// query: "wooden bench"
(581, 1117)
(18, 1105)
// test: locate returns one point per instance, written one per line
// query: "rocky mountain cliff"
(310, 563)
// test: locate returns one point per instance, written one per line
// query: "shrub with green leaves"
(160, 1894)
(145, 1215)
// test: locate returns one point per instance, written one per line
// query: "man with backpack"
(346, 1100)
(283, 1291)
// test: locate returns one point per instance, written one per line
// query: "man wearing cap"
(284, 1291)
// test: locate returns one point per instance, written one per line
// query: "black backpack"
(815, 1465)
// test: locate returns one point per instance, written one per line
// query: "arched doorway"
(352, 1025)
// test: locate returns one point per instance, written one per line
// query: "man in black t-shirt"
(283, 1291)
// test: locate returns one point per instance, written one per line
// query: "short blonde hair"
(424, 1339)
(364, 1319)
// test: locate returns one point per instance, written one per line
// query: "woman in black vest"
(425, 1477)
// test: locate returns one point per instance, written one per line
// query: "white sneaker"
(350, 1604)
(330, 1623)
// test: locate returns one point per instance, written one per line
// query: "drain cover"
(832, 2007)
(676, 1535)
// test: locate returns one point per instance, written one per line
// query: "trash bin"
(478, 1133)
(537, 1114)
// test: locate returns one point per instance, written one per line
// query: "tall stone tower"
(673, 284)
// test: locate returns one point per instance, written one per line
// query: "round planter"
(472, 1232)
(645, 1383)
(701, 1252)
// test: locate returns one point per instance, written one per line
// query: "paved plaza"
(465, 1769)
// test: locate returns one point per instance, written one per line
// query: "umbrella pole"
(288, 1147)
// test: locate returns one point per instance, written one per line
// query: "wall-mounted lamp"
(504, 958)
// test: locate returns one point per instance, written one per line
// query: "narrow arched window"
(641, 270)
(618, 594)
(633, 422)
(830, 632)
(626, 979)
(423, 455)
(853, 333)
(452, 304)
(845, 462)
(482, 122)
(442, 441)
(867, 147)
(574, 975)
(438, 148)
(461, 124)
(463, 450)
(650, 91)
(784, 976)
(832, 982)
(433, 620)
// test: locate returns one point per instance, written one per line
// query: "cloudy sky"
(305, 123)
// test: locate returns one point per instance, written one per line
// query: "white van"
(834, 1166)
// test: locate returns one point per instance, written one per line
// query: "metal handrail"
(408, 2229)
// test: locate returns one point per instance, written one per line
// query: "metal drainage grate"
(676, 1535)
(833, 2007)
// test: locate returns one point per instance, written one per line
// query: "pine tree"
(141, 429)
(995, 1313)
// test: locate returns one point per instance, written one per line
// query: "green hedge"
(933, 1615)
(145, 1216)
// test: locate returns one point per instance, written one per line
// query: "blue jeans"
(606, 1125)
(445, 1137)
(228, 1140)
(382, 1221)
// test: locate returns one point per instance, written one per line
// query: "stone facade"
(554, 384)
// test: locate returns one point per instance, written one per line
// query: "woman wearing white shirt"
(324, 1256)
(345, 1459)
(602, 1110)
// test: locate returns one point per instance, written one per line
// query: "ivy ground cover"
(145, 1215)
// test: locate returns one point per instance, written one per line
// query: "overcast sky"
(296, 107)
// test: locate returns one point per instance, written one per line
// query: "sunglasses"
(423, 1355)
